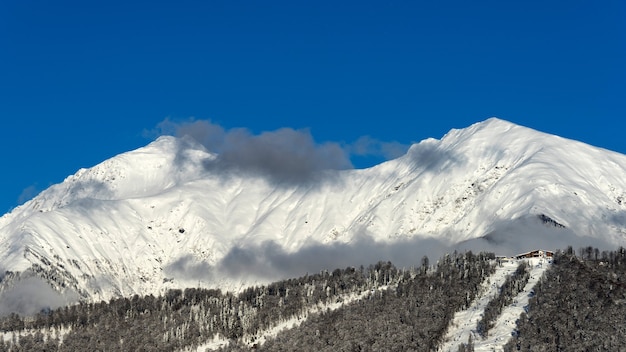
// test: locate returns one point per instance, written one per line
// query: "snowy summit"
(173, 215)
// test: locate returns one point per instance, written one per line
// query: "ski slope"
(464, 322)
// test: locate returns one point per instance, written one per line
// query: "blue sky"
(82, 81)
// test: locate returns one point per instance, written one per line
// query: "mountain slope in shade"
(171, 215)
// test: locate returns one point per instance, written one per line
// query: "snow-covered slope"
(164, 216)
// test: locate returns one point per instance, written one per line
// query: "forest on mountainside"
(414, 315)
(402, 300)
(579, 305)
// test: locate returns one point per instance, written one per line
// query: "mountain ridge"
(166, 216)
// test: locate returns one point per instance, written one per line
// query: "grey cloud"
(284, 155)
(429, 157)
(29, 295)
(270, 258)
(92, 189)
(368, 146)
(84, 192)
(524, 234)
(189, 268)
(618, 218)
(210, 135)
(270, 262)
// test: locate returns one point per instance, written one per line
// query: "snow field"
(158, 218)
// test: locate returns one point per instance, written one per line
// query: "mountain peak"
(154, 218)
(489, 127)
(172, 145)
(495, 122)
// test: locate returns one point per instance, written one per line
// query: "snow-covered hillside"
(166, 216)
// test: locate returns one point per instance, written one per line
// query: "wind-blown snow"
(164, 216)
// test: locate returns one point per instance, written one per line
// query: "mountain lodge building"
(537, 253)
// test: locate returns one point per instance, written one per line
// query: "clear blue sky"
(81, 81)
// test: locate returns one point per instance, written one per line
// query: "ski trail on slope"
(464, 322)
(218, 341)
(505, 325)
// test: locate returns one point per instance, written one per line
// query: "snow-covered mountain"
(166, 216)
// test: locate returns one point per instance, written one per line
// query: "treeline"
(413, 316)
(414, 310)
(184, 318)
(579, 305)
(512, 285)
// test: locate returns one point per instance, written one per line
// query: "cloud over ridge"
(282, 155)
